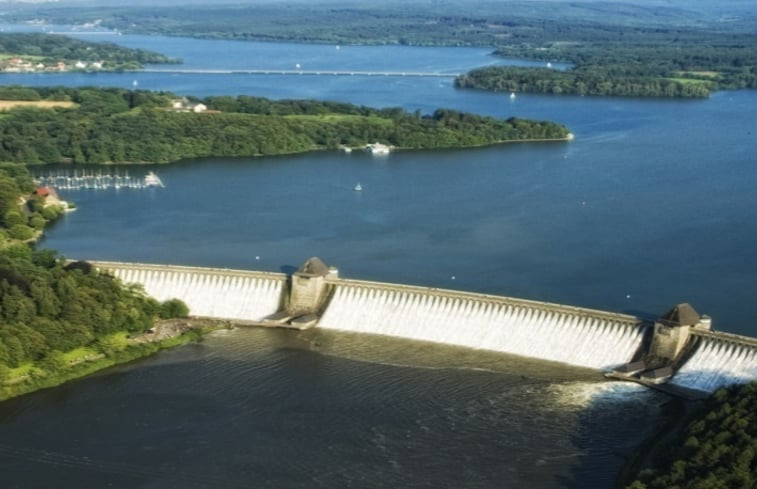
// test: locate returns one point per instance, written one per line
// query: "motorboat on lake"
(378, 148)
(153, 180)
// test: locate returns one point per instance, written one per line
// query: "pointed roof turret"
(681, 315)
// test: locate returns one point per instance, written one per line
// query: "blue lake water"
(652, 204)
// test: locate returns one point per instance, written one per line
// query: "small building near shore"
(46, 192)
(184, 105)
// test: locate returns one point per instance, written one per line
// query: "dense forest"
(116, 125)
(718, 448)
(60, 320)
(600, 81)
(49, 306)
(625, 69)
(49, 49)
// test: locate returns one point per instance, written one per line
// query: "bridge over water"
(425, 74)
(677, 353)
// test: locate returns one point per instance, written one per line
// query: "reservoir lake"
(652, 204)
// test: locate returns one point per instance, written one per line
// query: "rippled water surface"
(282, 409)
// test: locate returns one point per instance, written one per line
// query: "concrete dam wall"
(558, 333)
(678, 350)
(215, 293)
(717, 360)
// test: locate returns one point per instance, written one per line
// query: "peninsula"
(52, 53)
(62, 320)
(109, 125)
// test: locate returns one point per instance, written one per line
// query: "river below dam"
(281, 409)
(651, 205)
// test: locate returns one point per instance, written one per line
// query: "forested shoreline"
(108, 125)
(717, 448)
(581, 82)
(653, 69)
(42, 52)
(58, 319)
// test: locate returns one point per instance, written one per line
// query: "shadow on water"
(617, 422)
(288, 269)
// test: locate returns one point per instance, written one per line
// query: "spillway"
(216, 293)
(679, 345)
(564, 334)
(718, 360)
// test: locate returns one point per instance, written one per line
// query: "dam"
(678, 353)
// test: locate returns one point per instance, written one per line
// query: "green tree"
(54, 361)
(173, 308)
(13, 217)
(4, 373)
(21, 232)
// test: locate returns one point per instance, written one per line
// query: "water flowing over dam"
(718, 360)
(223, 294)
(678, 351)
(550, 332)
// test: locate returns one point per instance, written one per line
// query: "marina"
(90, 180)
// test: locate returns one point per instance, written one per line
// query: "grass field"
(704, 74)
(335, 118)
(688, 80)
(42, 104)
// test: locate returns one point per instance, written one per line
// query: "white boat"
(512, 95)
(378, 148)
(153, 180)
(358, 187)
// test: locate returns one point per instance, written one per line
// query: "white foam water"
(234, 296)
(561, 335)
(717, 363)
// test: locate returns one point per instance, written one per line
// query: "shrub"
(37, 222)
(52, 212)
(173, 308)
(21, 231)
(13, 217)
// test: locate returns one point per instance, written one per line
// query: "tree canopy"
(718, 449)
(117, 125)
(51, 48)
(640, 69)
